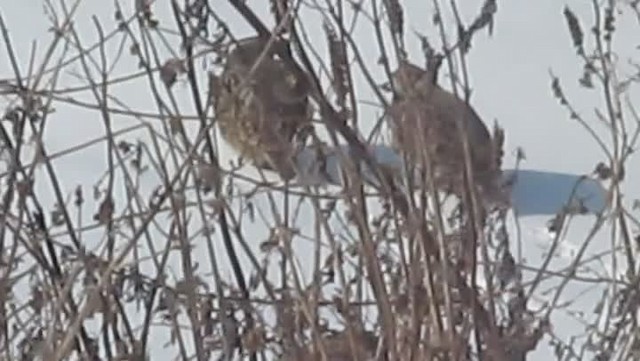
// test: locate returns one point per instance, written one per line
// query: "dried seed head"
(574, 29)
(396, 17)
(485, 18)
(498, 145)
(105, 211)
(170, 70)
(339, 65)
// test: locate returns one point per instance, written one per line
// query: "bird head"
(289, 86)
(284, 83)
(249, 50)
(409, 78)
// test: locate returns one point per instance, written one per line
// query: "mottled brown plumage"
(261, 103)
(423, 124)
(337, 346)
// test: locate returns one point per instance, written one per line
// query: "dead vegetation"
(159, 249)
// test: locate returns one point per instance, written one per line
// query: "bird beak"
(386, 86)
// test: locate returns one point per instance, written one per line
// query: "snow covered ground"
(511, 82)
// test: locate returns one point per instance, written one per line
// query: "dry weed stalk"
(166, 249)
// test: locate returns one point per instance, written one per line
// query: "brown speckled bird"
(337, 346)
(261, 103)
(423, 119)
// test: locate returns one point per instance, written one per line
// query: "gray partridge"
(261, 104)
(337, 346)
(423, 119)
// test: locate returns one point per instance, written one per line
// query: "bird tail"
(280, 160)
(285, 167)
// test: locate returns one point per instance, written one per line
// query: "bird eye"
(230, 82)
(386, 86)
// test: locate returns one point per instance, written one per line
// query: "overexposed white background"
(509, 75)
